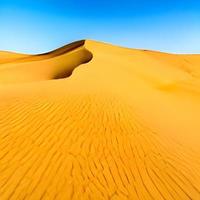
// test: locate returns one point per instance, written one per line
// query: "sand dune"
(53, 65)
(96, 121)
(6, 57)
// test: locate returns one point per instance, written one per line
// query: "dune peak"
(55, 64)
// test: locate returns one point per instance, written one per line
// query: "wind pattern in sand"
(95, 121)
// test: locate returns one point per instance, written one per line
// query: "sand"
(96, 121)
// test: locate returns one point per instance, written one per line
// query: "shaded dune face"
(53, 65)
(123, 126)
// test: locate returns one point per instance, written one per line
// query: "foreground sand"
(95, 121)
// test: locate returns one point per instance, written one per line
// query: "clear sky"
(36, 26)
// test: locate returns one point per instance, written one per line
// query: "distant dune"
(95, 121)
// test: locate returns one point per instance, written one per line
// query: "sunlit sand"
(96, 121)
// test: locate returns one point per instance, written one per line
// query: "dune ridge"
(55, 64)
(125, 125)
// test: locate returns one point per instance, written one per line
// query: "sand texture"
(96, 121)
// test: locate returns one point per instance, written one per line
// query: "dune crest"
(56, 64)
(125, 125)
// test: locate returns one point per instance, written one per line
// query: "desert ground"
(96, 121)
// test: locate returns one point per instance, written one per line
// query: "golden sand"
(96, 121)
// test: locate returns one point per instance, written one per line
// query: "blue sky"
(36, 26)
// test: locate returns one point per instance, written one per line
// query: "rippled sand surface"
(96, 121)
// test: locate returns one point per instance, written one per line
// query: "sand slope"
(95, 121)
